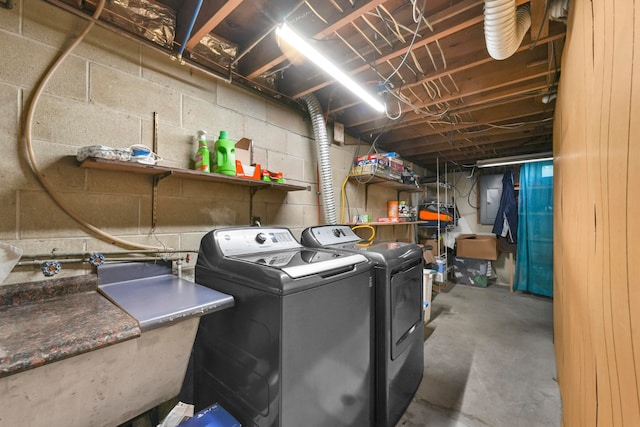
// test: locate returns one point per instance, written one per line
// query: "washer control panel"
(240, 241)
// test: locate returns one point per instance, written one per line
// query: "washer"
(297, 347)
(399, 335)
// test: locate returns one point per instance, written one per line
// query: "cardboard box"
(441, 270)
(429, 257)
(473, 272)
(479, 246)
(245, 168)
(396, 165)
(431, 254)
(244, 151)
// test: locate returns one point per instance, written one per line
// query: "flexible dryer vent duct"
(324, 158)
(505, 26)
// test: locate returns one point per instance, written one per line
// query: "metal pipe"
(53, 254)
(324, 158)
(192, 22)
(128, 36)
(86, 260)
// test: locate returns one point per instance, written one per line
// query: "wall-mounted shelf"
(376, 223)
(165, 171)
(380, 180)
(161, 172)
(437, 184)
(384, 181)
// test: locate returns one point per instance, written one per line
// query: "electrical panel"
(490, 189)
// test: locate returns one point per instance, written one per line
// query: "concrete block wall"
(106, 93)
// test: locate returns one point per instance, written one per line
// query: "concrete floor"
(489, 361)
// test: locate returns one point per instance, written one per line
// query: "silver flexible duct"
(324, 158)
(505, 26)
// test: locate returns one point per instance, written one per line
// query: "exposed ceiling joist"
(459, 104)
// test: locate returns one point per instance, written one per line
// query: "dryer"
(399, 332)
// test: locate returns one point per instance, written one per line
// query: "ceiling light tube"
(317, 58)
(514, 160)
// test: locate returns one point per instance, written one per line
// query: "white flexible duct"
(505, 26)
(324, 158)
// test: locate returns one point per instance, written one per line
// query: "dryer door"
(406, 307)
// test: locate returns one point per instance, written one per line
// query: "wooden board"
(597, 231)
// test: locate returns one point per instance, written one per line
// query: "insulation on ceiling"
(156, 23)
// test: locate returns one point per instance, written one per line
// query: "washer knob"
(261, 238)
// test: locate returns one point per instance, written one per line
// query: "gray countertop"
(154, 297)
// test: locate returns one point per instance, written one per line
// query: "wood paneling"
(597, 211)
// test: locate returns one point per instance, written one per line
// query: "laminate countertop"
(43, 322)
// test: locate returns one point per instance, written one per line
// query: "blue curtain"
(534, 262)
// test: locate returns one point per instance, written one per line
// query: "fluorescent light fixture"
(514, 160)
(317, 58)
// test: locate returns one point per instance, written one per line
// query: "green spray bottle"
(203, 161)
(225, 155)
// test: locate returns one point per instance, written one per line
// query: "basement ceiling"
(447, 100)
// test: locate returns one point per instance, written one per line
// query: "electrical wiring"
(364, 36)
(413, 40)
(337, 6)
(473, 185)
(547, 3)
(389, 116)
(444, 85)
(28, 142)
(419, 110)
(472, 172)
(414, 9)
(397, 31)
(315, 12)
(509, 126)
(375, 30)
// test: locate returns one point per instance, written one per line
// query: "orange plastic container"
(392, 210)
(426, 215)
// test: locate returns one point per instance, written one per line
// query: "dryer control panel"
(325, 235)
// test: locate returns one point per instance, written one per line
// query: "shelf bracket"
(252, 192)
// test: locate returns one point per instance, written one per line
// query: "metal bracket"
(252, 192)
(154, 198)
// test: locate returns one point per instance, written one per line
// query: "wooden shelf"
(376, 223)
(436, 184)
(384, 181)
(165, 171)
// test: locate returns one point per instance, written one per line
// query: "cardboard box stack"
(385, 165)
(472, 263)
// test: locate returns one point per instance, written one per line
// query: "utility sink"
(112, 384)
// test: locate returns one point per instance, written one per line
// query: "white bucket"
(427, 286)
